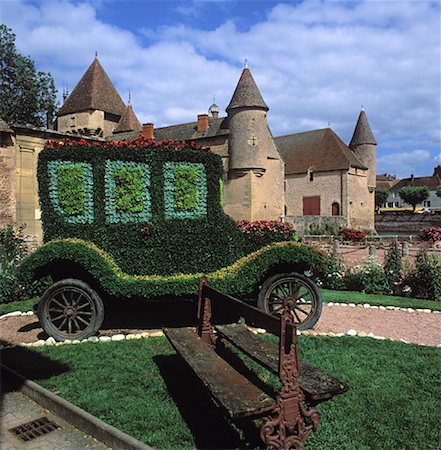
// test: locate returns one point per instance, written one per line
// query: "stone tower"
(254, 188)
(94, 104)
(363, 144)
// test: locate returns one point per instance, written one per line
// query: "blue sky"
(315, 62)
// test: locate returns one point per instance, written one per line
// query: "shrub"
(425, 279)
(155, 207)
(393, 267)
(335, 276)
(351, 234)
(12, 251)
(328, 229)
(369, 278)
(430, 234)
(264, 232)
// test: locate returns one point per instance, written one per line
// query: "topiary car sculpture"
(144, 219)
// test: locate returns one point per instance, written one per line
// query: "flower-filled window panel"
(71, 190)
(127, 186)
(185, 190)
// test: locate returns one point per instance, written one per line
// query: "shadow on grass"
(206, 421)
(28, 363)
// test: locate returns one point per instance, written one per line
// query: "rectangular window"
(311, 206)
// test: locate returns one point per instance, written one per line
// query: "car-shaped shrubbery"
(139, 218)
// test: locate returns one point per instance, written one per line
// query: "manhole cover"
(34, 429)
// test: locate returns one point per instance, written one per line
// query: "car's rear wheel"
(296, 291)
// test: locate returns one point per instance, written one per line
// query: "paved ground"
(17, 409)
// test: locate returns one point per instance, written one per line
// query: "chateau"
(308, 177)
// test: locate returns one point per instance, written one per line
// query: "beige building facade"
(302, 177)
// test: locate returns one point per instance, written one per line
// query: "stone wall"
(398, 222)
(361, 200)
(301, 223)
(330, 186)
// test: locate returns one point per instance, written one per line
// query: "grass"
(22, 305)
(378, 300)
(144, 389)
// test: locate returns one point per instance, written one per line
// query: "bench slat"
(228, 387)
(316, 384)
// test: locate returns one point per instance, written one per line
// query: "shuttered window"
(311, 206)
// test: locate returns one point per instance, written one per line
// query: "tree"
(27, 96)
(413, 195)
(438, 191)
(381, 195)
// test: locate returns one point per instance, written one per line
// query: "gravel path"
(415, 327)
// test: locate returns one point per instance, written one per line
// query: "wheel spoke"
(82, 320)
(69, 325)
(297, 317)
(58, 317)
(66, 301)
(294, 292)
(302, 310)
(74, 319)
(62, 323)
(52, 309)
(86, 313)
(58, 303)
(75, 302)
(83, 306)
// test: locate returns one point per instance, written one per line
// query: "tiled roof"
(362, 133)
(321, 150)
(94, 91)
(386, 184)
(4, 127)
(431, 182)
(184, 131)
(128, 122)
(247, 93)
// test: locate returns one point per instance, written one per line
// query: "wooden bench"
(288, 416)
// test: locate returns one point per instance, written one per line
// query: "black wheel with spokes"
(70, 309)
(298, 292)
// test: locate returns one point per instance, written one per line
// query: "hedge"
(171, 188)
(240, 278)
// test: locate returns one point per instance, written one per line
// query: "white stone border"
(50, 341)
(146, 334)
(17, 313)
(350, 332)
(383, 308)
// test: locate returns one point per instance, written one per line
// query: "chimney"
(147, 130)
(202, 122)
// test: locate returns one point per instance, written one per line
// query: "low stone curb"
(350, 332)
(146, 334)
(383, 308)
(76, 416)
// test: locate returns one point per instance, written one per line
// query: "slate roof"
(362, 133)
(4, 127)
(128, 122)
(431, 182)
(247, 93)
(94, 91)
(184, 131)
(322, 150)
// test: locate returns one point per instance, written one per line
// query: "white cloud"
(403, 163)
(315, 62)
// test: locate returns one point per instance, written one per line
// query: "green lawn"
(378, 300)
(144, 389)
(22, 305)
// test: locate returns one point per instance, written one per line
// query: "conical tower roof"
(247, 93)
(94, 91)
(128, 122)
(363, 133)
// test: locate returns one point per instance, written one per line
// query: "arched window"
(335, 209)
